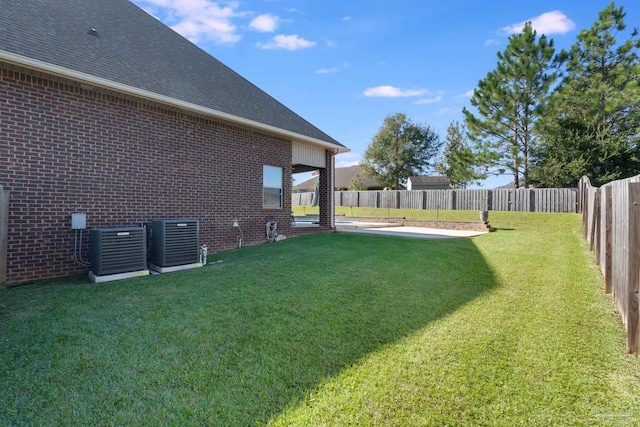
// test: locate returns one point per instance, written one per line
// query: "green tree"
(356, 184)
(400, 149)
(508, 101)
(457, 161)
(593, 124)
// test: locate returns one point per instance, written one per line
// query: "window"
(272, 187)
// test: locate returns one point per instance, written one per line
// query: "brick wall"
(324, 191)
(122, 162)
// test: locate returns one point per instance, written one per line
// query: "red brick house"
(106, 111)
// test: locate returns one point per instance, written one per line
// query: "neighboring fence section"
(611, 218)
(302, 199)
(520, 200)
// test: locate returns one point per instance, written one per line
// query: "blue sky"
(345, 65)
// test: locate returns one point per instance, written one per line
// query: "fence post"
(608, 243)
(453, 200)
(595, 218)
(4, 229)
(578, 195)
(598, 244)
(532, 201)
(580, 201)
(585, 211)
(634, 267)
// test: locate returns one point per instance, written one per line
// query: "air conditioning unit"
(175, 244)
(118, 253)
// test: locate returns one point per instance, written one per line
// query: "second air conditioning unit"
(175, 244)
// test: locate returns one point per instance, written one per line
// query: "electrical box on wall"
(78, 221)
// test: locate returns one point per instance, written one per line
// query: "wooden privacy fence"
(302, 199)
(519, 200)
(611, 218)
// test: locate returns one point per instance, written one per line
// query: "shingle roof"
(425, 180)
(132, 48)
(343, 178)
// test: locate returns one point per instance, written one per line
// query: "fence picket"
(388, 199)
(411, 199)
(368, 199)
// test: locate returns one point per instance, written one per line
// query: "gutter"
(81, 77)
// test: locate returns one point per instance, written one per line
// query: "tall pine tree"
(593, 124)
(508, 101)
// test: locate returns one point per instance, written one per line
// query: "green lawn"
(509, 328)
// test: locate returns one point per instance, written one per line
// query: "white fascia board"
(81, 77)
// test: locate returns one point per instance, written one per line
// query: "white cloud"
(265, 23)
(292, 42)
(347, 163)
(328, 70)
(332, 70)
(198, 20)
(492, 42)
(346, 18)
(429, 100)
(469, 93)
(348, 159)
(554, 22)
(393, 92)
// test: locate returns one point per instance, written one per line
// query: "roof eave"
(81, 77)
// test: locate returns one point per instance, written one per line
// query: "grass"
(510, 328)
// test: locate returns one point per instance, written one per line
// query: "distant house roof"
(115, 45)
(428, 183)
(511, 185)
(429, 180)
(343, 178)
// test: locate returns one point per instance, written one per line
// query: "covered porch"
(308, 158)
